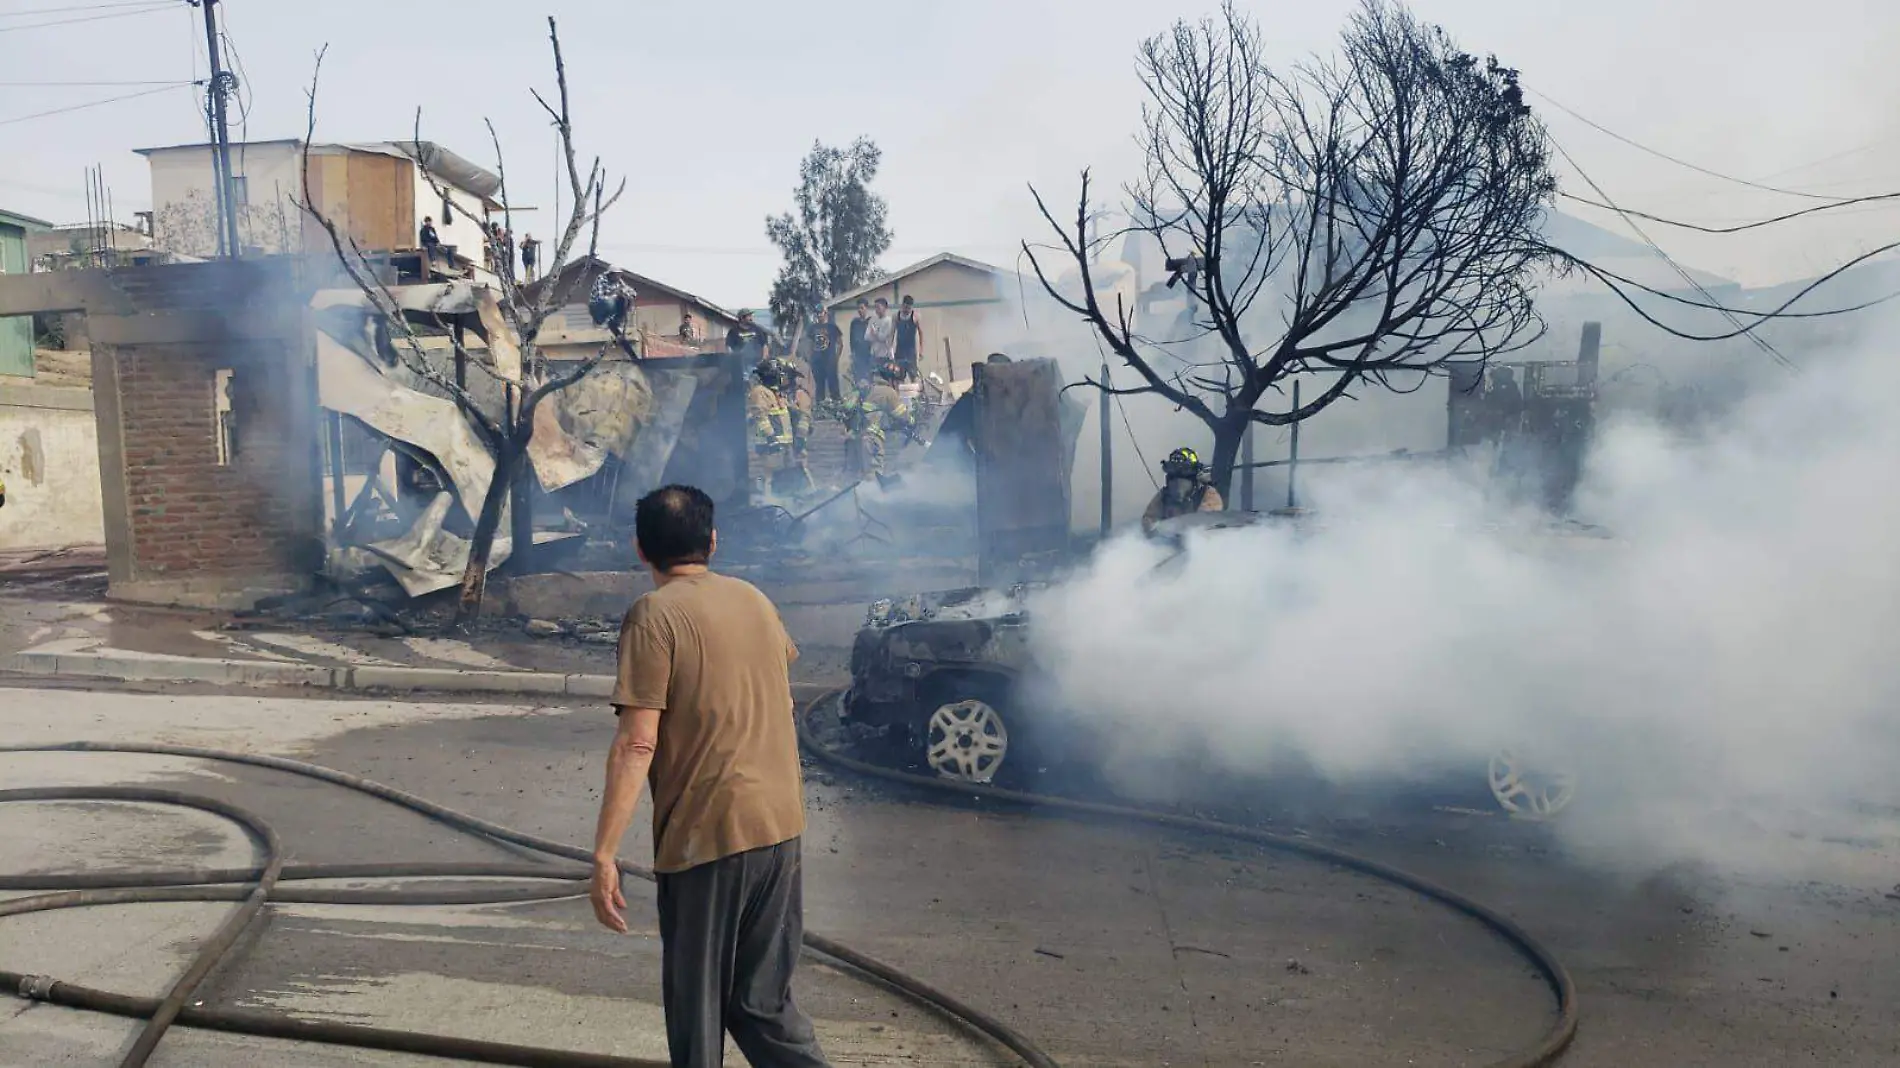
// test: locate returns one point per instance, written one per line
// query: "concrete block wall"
(187, 513)
(186, 521)
(49, 459)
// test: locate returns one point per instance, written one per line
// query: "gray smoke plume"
(1720, 672)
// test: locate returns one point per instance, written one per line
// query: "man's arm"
(628, 759)
(1151, 515)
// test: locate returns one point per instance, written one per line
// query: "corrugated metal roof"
(24, 222)
(442, 163)
(923, 265)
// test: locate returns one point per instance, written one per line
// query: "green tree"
(835, 232)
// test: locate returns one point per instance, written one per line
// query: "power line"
(1659, 154)
(148, 9)
(1629, 220)
(97, 103)
(1869, 146)
(1737, 228)
(49, 85)
(74, 8)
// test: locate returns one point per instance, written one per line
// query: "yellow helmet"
(1182, 463)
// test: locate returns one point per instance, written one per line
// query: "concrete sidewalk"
(56, 634)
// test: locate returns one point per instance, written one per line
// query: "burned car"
(950, 676)
(944, 673)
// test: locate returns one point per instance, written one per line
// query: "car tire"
(968, 731)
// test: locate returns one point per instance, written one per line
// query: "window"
(222, 403)
(240, 191)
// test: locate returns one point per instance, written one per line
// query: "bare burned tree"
(1375, 216)
(512, 356)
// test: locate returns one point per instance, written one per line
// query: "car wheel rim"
(967, 741)
(1528, 788)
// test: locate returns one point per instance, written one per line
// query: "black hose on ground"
(254, 891)
(246, 884)
(1547, 1050)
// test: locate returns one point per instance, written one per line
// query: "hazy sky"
(707, 107)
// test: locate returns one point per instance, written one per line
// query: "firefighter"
(879, 410)
(1189, 488)
(778, 424)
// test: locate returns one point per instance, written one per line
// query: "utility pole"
(220, 135)
(1293, 454)
(1246, 468)
(1108, 454)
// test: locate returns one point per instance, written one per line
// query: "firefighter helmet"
(772, 373)
(1183, 463)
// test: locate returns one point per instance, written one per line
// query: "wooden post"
(949, 368)
(1293, 453)
(1246, 468)
(1108, 456)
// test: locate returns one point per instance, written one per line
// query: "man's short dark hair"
(862, 303)
(674, 527)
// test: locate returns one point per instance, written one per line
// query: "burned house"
(225, 393)
(1532, 420)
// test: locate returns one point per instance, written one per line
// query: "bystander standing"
(704, 699)
(861, 362)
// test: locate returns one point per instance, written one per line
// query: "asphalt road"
(1110, 945)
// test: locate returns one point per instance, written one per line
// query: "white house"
(378, 191)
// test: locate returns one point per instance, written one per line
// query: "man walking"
(705, 706)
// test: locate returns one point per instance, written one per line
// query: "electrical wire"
(97, 103)
(1748, 331)
(147, 10)
(1659, 154)
(1740, 227)
(63, 85)
(74, 8)
(1868, 147)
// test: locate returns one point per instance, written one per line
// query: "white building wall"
(184, 198)
(464, 233)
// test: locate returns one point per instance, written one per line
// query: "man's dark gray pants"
(731, 932)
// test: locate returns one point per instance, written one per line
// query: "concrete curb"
(265, 673)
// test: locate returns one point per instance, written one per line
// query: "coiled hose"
(255, 887)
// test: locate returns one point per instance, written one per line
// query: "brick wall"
(187, 514)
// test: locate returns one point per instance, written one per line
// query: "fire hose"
(274, 880)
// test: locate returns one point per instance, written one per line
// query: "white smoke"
(1721, 672)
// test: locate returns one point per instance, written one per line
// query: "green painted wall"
(16, 332)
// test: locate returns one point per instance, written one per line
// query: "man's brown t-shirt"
(710, 653)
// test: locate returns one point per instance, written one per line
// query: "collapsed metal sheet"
(347, 384)
(426, 558)
(503, 354)
(576, 429)
(646, 458)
